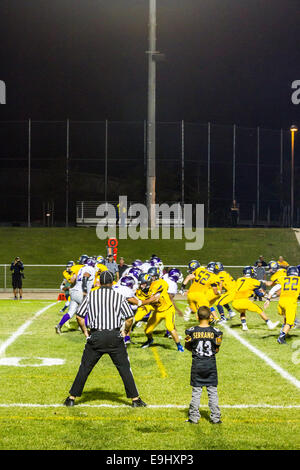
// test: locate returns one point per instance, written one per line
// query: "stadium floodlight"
(151, 122)
(293, 130)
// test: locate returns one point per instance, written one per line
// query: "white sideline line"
(22, 328)
(265, 358)
(106, 405)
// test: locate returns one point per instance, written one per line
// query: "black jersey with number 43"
(205, 341)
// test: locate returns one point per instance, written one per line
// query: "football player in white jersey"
(132, 272)
(82, 284)
(145, 266)
(127, 288)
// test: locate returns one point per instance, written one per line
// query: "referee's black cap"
(106, 277)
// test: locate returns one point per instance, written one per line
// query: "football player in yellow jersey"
(276, 272)
(66, 284)
(192, 267)
(143, 310)
(99, 268)
(163, 307)
(288, 290)
(229, 285)
(245, 287)
(203, 278)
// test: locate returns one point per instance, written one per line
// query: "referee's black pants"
(99, 343)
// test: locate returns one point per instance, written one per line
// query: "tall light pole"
(293, 130)
(151, 122)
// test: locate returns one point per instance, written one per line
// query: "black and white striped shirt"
(106, 309)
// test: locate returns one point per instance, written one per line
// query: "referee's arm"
(81, 314)
(127, 314)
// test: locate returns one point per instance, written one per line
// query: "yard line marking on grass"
(159, 363)
(265, 358)
(166, 406)
(22, 328)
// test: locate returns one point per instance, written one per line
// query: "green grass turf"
(59, 245)
(162, 376)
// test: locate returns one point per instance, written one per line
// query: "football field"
(259, 385)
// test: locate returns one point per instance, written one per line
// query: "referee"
(106, 311)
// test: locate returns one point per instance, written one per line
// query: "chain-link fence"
(48, 277)
(47, 166)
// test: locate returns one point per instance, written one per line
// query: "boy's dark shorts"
(204, 373)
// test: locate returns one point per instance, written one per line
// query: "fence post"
(182, 163)
(67, 171)
(106, 150)
(208, 172)
(5, 281)
(29, 176)
(257, 174)
(233, 162)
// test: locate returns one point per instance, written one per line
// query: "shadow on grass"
(205, 414)
(103, 395)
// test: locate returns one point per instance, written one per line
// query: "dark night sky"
(228, 61)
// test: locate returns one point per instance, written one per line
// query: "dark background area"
(227, 62)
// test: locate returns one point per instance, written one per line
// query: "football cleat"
(127, 339)
(272, 325)
(180, 348)
(244, 327)
(147, 343)
(58, 329)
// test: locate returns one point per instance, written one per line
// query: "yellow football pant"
(226, 298)
(142, 312)
(156, 317)
(241, 305)
(196, 300)
(288, 308)
(212, 297)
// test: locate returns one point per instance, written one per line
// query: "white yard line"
(290, 378)
(106, 405)
(22, 328)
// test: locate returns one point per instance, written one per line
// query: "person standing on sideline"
(204, 342)
(122, 267)
(282, 262)
(17, 268)
(106, 311)
(112, 266)
(234, 210)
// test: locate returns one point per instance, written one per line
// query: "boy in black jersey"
(204, 342)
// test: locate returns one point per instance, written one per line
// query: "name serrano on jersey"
(203, 334)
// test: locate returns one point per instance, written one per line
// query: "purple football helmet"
(127, 281)
(137, 263)
(90, 262)
(174, 274)
(135, 272)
